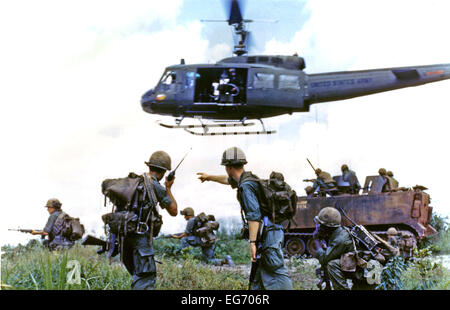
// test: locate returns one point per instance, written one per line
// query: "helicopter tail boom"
(344, 85)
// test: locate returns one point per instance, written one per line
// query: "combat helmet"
(344, 167)
(160, 159)
(382, 171)
(187, 211)
(309, 190)
(392, 231)
(233, 156)
(53, 203)
(329, 217)
(390, 173)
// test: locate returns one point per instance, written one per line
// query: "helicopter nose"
(146, 100)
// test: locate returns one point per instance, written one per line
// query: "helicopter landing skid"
(225, 133)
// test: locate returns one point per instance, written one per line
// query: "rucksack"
(72, 229)
(278, 201)
(124, 194)
(204, 228)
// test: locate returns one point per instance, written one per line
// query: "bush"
(439, 243)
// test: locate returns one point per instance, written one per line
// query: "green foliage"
(424, 273)
(190, 275)
(392, 273)
(439, 243)
(303, 273)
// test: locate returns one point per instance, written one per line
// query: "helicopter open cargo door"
(281, 89)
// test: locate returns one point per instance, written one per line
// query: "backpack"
(72, 229)
(124, 193)
(278, 201)
(204, 228)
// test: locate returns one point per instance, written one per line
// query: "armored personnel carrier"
(406, 209)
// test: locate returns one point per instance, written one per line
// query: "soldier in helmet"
(190, 238)
(309, 191)
(350, 177)
(392, 237)
(384, 180)
(138, 254)
(271, 272)
(338, 243)
(54, 227)
(324, 182)
(393, 183)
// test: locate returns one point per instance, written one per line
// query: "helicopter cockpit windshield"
(167, 81)
(221, 85)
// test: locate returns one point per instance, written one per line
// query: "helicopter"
(252, 87)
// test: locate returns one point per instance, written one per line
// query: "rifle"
(172, 173)
(28, 231)
(255, 263)
(105, 245)
(166, 236)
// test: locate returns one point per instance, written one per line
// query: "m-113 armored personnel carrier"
(406, 209)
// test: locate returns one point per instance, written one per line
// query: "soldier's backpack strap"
(149, 191)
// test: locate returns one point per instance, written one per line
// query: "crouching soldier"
(200, 232)
(339, 258)
(265, 237)
(54, 227)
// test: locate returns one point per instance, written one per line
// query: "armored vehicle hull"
(408, 211)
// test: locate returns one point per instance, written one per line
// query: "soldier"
(138, 255)
(309, 191)
(350, 177)
(392, 237)
(393, 183)
(408, 245)
(271, 272)
(384, 180)
(324, 182)
(54, 227)
(189, 238)
(338, 242)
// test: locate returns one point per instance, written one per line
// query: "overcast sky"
(73, 72)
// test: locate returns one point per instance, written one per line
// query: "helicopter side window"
(288, 82)
(190, 79)
(263, 80)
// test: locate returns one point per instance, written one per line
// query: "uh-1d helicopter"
(243, 87)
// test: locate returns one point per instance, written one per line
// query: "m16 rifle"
(28, 231)
(166, 236)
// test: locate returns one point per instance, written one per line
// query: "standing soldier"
(138, 254)
(392, 237)
(271, 273)
(54, 227)
(384, 180)
(350, 177)
(190, 238)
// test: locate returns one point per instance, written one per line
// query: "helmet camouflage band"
(233, 156)
(53, 203)
(329, 217)
(382, 171)
(160, 159)
(392, 231)
(187, 211)
(344, 167)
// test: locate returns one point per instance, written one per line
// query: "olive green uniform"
(339, 242)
